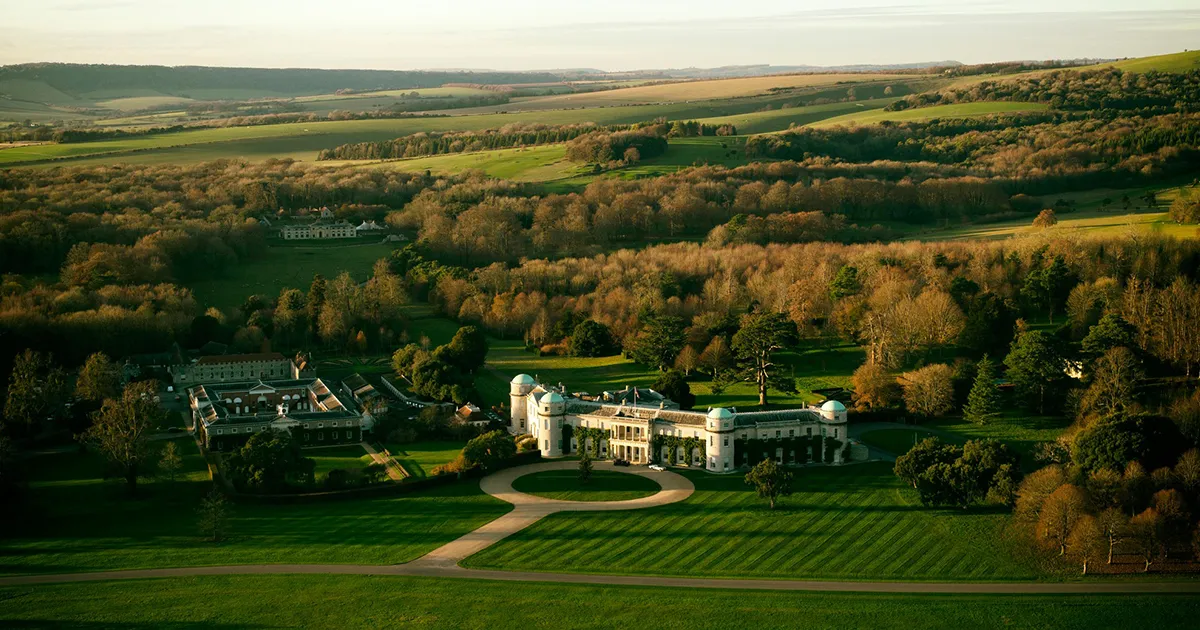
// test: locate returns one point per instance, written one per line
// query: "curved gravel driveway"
(528, 509)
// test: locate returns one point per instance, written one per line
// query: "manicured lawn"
(1022, 433)
(816, 369)
(604, 485)
(855, 522)
(321, 601)
(420, 458)
(894, 441)
(347, 458)
(76, 521)
(287, 267)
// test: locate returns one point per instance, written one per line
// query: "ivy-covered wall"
(751, 451)
(672, 443)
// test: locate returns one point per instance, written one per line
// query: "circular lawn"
(605, 485)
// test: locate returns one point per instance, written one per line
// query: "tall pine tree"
(983, 403)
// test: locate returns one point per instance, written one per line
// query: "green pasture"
(278, 268)
(420, 458)
(350, 601)
(851, 523)
(1020, 431)
(1175, 62)
(781, 119)
(604, 485)
(77, 520)
(959, 110)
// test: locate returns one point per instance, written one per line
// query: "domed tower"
(833, 420)
(719, 425)
(518, 390)
(551, 411)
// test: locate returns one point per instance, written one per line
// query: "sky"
(605, 34)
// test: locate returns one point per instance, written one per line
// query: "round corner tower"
(833, 417)
(551, 412)
(719, 426)
(518, 411)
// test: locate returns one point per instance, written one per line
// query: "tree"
(1113, 524)
(929, 391)
(1049, 286)
(659, 342)
(121, 429)
(489, 450)
(874, 387)
(1114, 385)
(1036, 368)
(845, 283)
(591, 339)
(770, 480)
(170, 463)
(1060, 514)
(1046, 218)
(717, 356)
(687, 360)
(922, 456)
(466, 351)
(1035, 489)
(99, 379)
(269, 462)
(1086, 540)
(1186, 207)
(1112, 331)
(36, 391)
(214, 516)
(983, 403)
(672, 385)
(585, 468)
(1115, 441)
(755, 344)
(1146, 534)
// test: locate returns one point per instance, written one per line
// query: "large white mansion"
(720, 440)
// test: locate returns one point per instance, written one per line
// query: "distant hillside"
(111, 81)
(1176, 62)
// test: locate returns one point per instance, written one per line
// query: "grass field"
(961, 110)
(1090, 218)
(321, 601)
(818, 369)
(420, 458)
(286, 267)
(78, 521)
(349, 457)
(781, 119)
(1175, 62)
(1021, 432)
(604, 485)
(856, 523)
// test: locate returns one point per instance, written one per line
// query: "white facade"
(634, 431)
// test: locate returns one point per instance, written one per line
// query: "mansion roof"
(681, 417)
(216, 406)
(241, 358)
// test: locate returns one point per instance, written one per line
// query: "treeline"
(1107, 91)
(439, 143)
(1035, 153)
(897, 300)
(44, 213)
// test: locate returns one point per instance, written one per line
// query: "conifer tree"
(983, 403)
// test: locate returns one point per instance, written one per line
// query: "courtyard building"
(718, 440)
(227, 414)
(231, 368)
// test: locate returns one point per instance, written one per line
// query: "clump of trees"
(628, 147)
(270, 462)
(949, 475)
(447, 373)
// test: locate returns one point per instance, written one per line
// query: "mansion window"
(727, 440)
(778, 434)
(809, 431)
(835, 432)
(791, 433)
